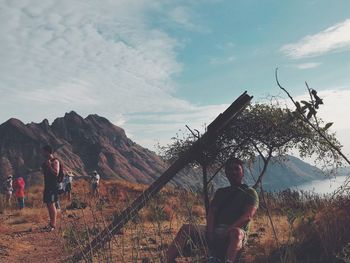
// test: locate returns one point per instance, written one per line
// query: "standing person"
(8, 189)
(50, 169)
(18, 186)
(67, 182)
(228, 219)
(95, 183)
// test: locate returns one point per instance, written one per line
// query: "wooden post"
(214, 130)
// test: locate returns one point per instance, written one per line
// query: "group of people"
(16, 185)
(228, 219)
(65, 187)
(53, 187)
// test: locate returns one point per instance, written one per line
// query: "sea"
(323, 187)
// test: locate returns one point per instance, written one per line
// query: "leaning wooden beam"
(213, 131)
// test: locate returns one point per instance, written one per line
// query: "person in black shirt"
(50, 168)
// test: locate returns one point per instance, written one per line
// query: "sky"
(154, 66)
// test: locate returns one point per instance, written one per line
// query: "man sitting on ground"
(230, 213)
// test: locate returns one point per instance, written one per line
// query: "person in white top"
(67, 183)
(95, 183)
(8, 189)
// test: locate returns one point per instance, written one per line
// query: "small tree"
(265, 130)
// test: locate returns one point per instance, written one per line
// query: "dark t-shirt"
(232, 202)
(50, 180)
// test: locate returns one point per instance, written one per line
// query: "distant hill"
(94, 143)
(282, 174)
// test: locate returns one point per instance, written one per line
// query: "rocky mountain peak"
(72, 118)
(84, 145)
(14, 122)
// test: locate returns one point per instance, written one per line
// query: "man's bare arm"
(54, 167)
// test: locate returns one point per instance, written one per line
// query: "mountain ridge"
(94, 143)
(83, 144)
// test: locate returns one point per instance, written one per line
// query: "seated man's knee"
(236, 236)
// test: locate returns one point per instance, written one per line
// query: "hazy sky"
(152, 66)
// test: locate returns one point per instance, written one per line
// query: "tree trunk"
(205, 188)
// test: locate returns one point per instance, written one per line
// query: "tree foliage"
(266, 130)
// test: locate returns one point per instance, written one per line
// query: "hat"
(94, 172)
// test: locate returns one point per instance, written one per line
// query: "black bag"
(60, 172)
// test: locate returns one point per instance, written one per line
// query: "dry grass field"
(288, 227)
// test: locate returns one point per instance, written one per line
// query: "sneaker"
(49, 228)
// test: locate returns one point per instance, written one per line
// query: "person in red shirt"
(18, 186)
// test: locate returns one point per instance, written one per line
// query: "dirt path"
(27, 242)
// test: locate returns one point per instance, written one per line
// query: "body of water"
(325, 186)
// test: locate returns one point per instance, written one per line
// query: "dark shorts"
(50, 196)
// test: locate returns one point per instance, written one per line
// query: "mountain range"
(94, 143)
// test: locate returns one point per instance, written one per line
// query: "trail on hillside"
(27, 242)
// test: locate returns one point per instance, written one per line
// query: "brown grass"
(301, 224)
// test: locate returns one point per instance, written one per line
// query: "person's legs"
(8, 198)
(69, 191)
(58, 205)
(50, 198)
(92, 189)
(236, 237)
(52, 214)
(186, 232)
(97, 190)
(20, 202)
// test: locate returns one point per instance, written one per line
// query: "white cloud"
(119, 120)
(144, 126)
(100, 57)
(182, 16)
(308, 65)
(334, 38)
(91, 57)
(222, 60)
(69, 93)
